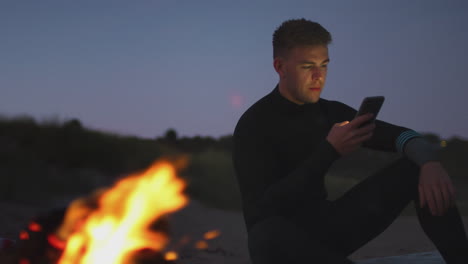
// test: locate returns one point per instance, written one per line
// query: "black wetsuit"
(281, 156)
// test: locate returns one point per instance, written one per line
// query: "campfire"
(126, 223)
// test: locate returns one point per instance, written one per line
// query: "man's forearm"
(420, 151)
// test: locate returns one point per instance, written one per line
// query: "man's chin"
(313, 100)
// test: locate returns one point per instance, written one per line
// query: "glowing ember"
(55, 242)
(119, 226)
(24, 261)
(201, 244)
(212, 234)
(24, 235)
(171, 255)
(35, 227)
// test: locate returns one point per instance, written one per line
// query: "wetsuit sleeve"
(386, 137)
(265, 190)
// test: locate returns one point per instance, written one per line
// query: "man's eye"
(310, 67)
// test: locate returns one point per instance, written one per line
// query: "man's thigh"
(368, 208)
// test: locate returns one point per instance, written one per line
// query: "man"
(286, 142)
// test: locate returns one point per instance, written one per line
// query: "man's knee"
(404, 178)
(408, 166)
(405, 170)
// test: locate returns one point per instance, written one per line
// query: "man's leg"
(278, 241)
(446, 232)
(371, 206)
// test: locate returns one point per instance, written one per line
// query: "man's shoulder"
(257, 114)
(259, 108)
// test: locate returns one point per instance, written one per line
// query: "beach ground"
(403, 237)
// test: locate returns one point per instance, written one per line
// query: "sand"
(403, 237)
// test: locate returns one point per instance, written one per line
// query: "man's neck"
(285, 93)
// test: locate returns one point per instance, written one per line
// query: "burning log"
(34, 246)
(123, 224)
(39, 242)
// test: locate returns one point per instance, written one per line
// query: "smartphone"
(370, 105)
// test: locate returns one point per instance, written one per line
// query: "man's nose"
(316, 73)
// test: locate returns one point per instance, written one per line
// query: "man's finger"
(358, 121)
(365, 129)
(357, 140)
(357, 136)
(422, 197)
(453, 194)
(430, 200)
(438, 199)
(445, 195)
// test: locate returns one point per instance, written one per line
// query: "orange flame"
(120, 224)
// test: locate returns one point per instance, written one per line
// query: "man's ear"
(278, 64)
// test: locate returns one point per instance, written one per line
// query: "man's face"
(303, 73)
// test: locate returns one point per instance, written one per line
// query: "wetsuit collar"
(289, 106)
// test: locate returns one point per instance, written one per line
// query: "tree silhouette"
(170, 135)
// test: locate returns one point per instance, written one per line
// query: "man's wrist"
(338, 153)
(421, 151)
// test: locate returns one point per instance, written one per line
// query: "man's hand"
(347, 136)
(435, 188)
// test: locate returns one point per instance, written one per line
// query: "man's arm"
(389, 137)
(435, 186)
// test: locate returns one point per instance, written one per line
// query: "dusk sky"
(140, 67)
